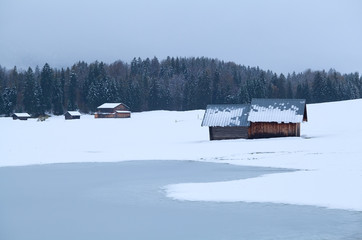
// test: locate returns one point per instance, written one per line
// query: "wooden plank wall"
(273, 129)
(120, 108)
(123, 115)
(112, 115)
(220, 133)
(103, 115)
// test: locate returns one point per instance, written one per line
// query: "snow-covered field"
(328, 155)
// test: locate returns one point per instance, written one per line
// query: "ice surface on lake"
(126, 201)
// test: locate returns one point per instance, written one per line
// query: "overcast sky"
(280, 35)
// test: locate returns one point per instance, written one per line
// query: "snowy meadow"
(327, 157)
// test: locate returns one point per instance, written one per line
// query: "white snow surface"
(74, 113)
(109, 105)
(328, 156)
(22, 114)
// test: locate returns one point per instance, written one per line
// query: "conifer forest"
(170, 84)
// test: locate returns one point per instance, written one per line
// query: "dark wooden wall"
(20, 118)
(112, 115)
(106, 110)
(219, 133)
(123, 115)
(104, 115)
(273, 129)
(69, 117)
(120, 108)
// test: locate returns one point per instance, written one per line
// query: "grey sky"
(280, 35)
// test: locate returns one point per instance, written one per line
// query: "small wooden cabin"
(227, 121)
(72, 115)
(21, 116)
(276, 117)
(263, 118)
(113, 110)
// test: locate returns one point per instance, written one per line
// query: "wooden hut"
(276, 117)
(113, 110)
(227, 121)
(72, 115)
(21, 116)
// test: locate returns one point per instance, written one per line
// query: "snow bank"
(328, 152)
(329, 155)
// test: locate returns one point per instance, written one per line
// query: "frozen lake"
(125, 201)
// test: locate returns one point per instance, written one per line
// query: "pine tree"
(155, 68)
(134, 97)
(319, 88)
(57, 99)
(62, 86)
(46, 83)
(281, 86)
(289, 93)
(216, 95)
(38, 102)
(299, 92)
(29, 98)
(72, 92)
(9, 98)
(203, 90)
(154, 98)
(260, 86)
(243, 94)
(2, 111)
(190, 93)
(306, 92)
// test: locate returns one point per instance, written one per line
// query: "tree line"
(171, 84)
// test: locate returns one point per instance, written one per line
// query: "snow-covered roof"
(226, 115)
(109, 105)
(74, 113)
(277, 110)
(22, 114)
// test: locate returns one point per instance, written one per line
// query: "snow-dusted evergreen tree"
(190, 92)
(134, 93)
(72, 91)
(154, 97)
(57, 98)
(110, 90)
(320, 87)
(204, 94)
(9, 99)
(299, 92)
(62, 85)
(216, 88)
(38, 102)
(260, 85)
(28, 97)
(182, 84)
(289, 93)
(46, 83)
(281, 85)
(2, 111)
(243, 94)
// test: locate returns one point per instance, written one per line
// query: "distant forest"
(171, 84)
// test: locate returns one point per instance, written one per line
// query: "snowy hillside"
(329, 153)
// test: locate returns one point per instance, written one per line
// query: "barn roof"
(277, 110)
(22, 115)
(74, 113)
(109, 105)
(226, 115)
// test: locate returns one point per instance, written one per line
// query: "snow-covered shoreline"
(328, 153)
